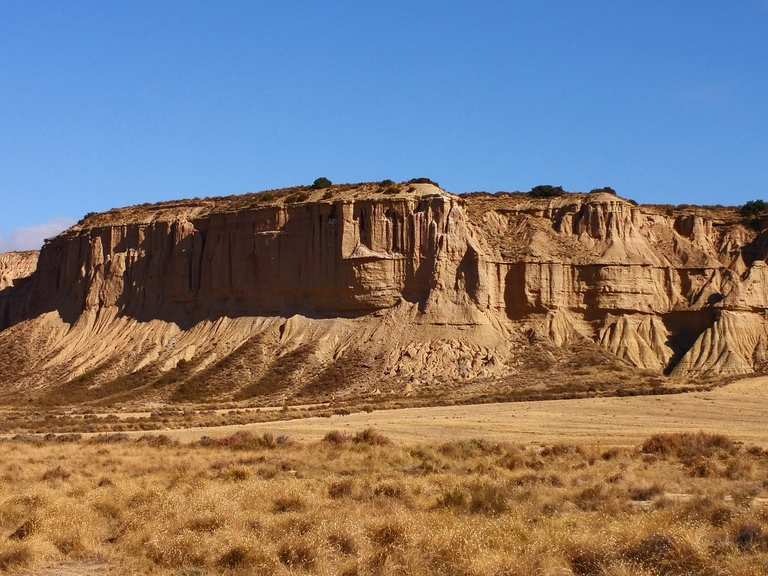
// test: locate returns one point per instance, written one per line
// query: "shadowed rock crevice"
(684, 329)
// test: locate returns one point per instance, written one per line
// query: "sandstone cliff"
(309, 292)
(15, 266)
(15, 269)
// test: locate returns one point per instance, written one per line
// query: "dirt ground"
(737, 410)
(72, 569)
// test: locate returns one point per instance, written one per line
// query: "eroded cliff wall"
(15, 266)
(406, 282)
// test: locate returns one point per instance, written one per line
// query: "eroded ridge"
(398, 289)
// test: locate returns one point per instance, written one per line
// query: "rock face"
(15, 266)
(15, 269)
(373, 284)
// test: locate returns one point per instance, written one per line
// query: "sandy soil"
(738, 410)
(73, 569)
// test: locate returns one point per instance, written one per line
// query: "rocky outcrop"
(405, 281)
(15, 270)
(736, 343)
(15, 266)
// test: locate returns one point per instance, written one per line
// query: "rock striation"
(308, 291)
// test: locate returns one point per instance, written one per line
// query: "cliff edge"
(354, 289)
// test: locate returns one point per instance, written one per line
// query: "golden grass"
(362, 504)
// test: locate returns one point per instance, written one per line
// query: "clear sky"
(106, 103)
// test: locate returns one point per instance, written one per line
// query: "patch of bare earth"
(737, 410)
(72, 569)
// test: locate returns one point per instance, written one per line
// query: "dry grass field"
(737, 410)
(690, 504)
(612, 486)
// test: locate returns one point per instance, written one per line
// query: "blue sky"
(104, 104)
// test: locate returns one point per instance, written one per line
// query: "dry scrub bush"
(687, 446)
(245, 441)
(255, 505)
(370, 437)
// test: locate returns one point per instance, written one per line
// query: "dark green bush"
(753, 208)
(422, 181)
(546, 191)
(88, 215)
(321, 182)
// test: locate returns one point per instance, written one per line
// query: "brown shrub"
(288, 503)
(15, 556)
(370, 437)
(701, 468)
(610, 454)
(477, 498)
(739, 469)
(68, 544)
(645, 493)
(464, 449)
(744, 494)
(707, 509)
(23, 531)
(28, 439)
(665, 554)
(587, 560)
(389, 490)
(453, 498)
(62, 438)
(388, 535)
(244, 440)
(205, 524)
(336, 438)
(341, 488)
(343, 543)
(561, 450)
(115, 438)
(595, 497)
(533, 478)
(486, 498)
(156, 440)
(234, 473)
(56, 473)
(235, 557)
(350, 570)
(511, 461)
(297, 554)
(686, 446)
(749, 536)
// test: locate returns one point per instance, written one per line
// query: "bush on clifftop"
(546, 191)
(754, 208)
(321, 182)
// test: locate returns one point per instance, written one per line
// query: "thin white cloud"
(31, 237)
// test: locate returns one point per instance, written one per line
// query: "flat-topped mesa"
(335, 251)
(410, 280)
